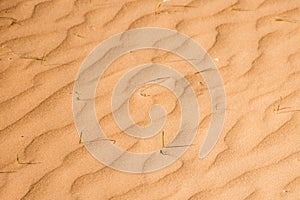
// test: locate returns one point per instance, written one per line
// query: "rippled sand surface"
(254, 43)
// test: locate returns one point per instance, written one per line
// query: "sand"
(254, 44)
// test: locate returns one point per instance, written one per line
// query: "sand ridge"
(255, 45)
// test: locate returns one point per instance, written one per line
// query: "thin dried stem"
(25, 163)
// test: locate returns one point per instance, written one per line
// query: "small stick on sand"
(89, 142)
(10, 18)
(78, 35)
(157, 9)
(95, 140)
(158, 6)
(284, 19)
(42, 59)
(181, 60)
(80, 138)
(162, 142)
(13, 20)
(25, 163)
(278, 107)
(163, 139)
(7, 172)
(144, 95)
(235, 7)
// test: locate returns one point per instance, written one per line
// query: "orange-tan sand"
(254, 43)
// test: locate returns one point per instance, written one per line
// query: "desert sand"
(255, 45)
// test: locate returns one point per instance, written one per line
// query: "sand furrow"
(253, 43)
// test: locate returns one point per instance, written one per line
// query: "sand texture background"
(254, 43)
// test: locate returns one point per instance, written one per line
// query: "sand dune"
(255, 45)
